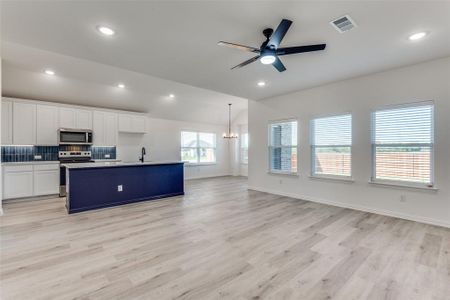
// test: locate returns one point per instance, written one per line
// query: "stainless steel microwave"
(74, 136)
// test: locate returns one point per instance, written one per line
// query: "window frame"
(270, 147)
(240, 148)
(199, 163)
(373, 146)
(313, 147)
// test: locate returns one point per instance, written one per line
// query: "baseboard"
(388, 213)
(206, 176)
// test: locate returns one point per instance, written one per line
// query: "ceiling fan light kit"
(269, 51)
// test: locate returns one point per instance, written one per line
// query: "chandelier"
(229, 134)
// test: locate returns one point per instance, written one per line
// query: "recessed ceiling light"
(121, 86)
(171, 96)
(261, 83)
(105, 30)
(417, 36)
(49, 72)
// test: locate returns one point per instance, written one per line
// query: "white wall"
(360, 96)
(162, 142)
(240, 126)
(1, 171)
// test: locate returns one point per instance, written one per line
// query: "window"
(331, 146)
(283, 147)
(198, 147)
(402, 144)
(244, 148)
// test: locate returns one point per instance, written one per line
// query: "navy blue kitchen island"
(97, 185)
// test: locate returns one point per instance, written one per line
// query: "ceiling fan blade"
(279, 65)
(239, 47)
(279, 33)
(300, 49)
(246, 62)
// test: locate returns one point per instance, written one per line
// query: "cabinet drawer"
(49, 167)
(24, 168)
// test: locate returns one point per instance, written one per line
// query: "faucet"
(142, 155)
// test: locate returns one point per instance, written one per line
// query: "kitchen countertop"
(32, 162)
(118, 164)
(107, 160)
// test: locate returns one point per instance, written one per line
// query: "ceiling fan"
(269, 51)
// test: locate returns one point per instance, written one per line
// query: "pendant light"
(229, 135)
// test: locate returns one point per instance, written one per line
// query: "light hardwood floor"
(219, 241)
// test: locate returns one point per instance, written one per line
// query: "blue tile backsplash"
(100, 152)
(49, 153)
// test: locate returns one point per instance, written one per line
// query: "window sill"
(401, 185)
(199, 164)
(294, 174)
(332, 178)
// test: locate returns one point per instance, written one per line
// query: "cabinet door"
(83, 119)
(7, 114)
(138, 124)
(46, 179)
(110, 129)
(24, 123)
(99, 128)
(125, 123)
(17, 182)
(47, 125)
(67, 118)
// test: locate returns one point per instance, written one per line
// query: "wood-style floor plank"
(219, 241)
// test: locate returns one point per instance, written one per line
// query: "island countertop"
(104, 164)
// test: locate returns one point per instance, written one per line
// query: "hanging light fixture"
(229, 135)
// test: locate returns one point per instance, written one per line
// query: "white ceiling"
(176, 40)
(83, 82)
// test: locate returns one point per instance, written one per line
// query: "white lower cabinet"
(17, 181)
(46, 179)
(30, 180)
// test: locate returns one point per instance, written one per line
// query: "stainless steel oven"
(74, 136)
(70, 157)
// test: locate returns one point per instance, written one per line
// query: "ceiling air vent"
(343, 24)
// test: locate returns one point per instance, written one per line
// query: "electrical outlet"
(120, 188)
(107, 155)
(37, 157)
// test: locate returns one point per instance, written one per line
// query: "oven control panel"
(74, 154)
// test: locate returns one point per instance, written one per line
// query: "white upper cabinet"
(67, 117)
(83, 118)
(24, 123)
(46, 125)
(30, 122)
(7, 116)
(131, 123)
(75, 118)
(111, 129)
(105, 128)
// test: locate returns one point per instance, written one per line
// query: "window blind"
(283, 147)
(331, 142)
(402, 143)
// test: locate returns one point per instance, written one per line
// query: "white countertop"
(32, 162)
(117, 164)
